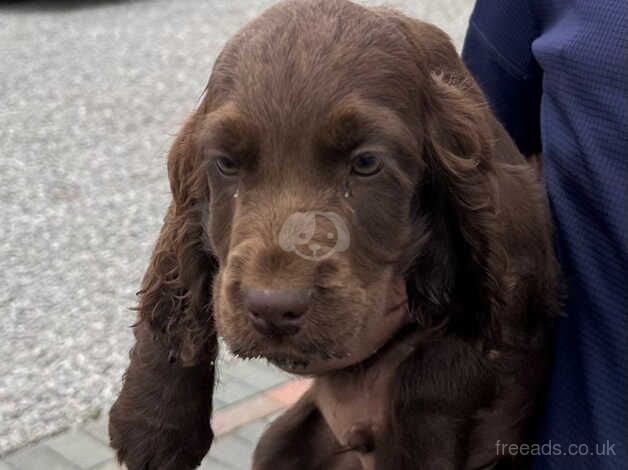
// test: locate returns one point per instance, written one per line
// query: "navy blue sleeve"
(497, 51)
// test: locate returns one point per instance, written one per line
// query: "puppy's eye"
(365, 164)
(227, 166)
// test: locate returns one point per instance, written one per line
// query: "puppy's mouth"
(288, 363)
(298, 365)
(294, 357)
(315, 356)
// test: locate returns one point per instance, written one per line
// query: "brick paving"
(88, 450)
(248, 396)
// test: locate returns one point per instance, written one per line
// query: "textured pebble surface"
(91, 94)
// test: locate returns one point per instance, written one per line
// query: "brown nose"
(276, 311)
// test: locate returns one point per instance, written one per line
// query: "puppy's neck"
(402, 343)
(353, 401)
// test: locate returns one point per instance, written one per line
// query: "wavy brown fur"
(458, 219)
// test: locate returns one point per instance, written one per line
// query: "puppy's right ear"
(161, 419)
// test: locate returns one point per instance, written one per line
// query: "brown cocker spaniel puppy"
(345, 204)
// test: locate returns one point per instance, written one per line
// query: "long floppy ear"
(175, 299)
(461, 260)
(161, 420)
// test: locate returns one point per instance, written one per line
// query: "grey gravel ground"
(91, 94)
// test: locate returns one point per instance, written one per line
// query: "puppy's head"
(311, 164)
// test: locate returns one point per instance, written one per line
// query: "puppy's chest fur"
(355, 403)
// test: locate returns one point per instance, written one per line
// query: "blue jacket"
(556, 74)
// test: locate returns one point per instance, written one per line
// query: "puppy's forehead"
(346, 122)
(288, 67)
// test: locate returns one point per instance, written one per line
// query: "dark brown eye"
(227, 166)
(365, 164)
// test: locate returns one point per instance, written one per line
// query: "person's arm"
(498, 52)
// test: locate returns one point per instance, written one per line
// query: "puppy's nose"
(276, 311)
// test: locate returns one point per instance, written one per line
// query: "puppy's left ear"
(460, 256)
(459, 197)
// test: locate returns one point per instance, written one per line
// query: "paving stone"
(210, 463)
(243, 413)
(80, 449)
(219, 404)
(232, 391)
(253, 431)
(39, 457)
(274, 416)
(290, 392)
(111, 465)
(99, 429)
(233, 451)
(254, 373)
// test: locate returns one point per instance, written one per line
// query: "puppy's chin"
(299, 364)
(308, 366)
(289, 356)
(293, 359)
